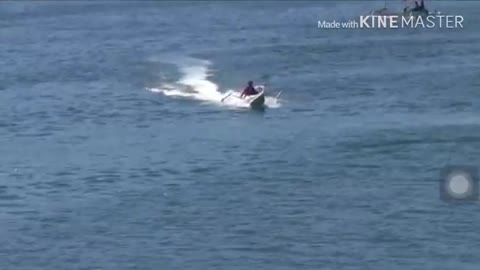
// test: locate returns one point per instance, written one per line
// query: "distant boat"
(416, 13)
(407, 12)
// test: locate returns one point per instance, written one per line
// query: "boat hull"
(257, 101)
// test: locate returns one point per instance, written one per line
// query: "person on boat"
(249, 90)
(418, 7)
(422, 5)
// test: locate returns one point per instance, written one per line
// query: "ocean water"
(117, 154)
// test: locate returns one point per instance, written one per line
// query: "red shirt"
(249, 91)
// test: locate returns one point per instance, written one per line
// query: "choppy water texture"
(116, 154)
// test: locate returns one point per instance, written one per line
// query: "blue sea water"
(117, 154)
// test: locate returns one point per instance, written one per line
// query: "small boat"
(416, 13)
(407, 12)
(254, 101)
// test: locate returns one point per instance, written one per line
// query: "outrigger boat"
(254, 101)
(407, 12)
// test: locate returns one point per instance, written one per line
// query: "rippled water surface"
(117, 154)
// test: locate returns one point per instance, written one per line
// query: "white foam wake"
(194, 84)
